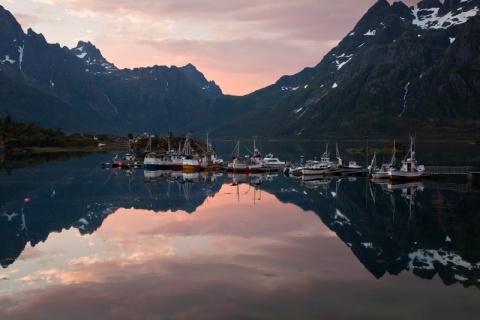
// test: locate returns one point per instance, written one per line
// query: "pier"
(457, 170)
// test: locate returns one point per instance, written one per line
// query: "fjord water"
(79, 241)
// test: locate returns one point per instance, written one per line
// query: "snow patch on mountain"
(429, 18)
(83, 53)
(289, 88)
(342, 60)
(7, 59)
(20, 58)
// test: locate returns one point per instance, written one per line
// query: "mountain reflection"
(428, 228)
(392, 228)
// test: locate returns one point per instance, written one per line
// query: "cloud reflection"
(261, 259)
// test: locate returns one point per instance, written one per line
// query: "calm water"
(104, 244)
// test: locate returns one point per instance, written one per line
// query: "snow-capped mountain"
(79, 90)
(400, 69)
(93, 58)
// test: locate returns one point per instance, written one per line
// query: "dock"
(454, 170)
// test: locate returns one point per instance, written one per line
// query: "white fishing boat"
(271, 162)
(352, 165)
(246, 163)
(318, 167)
(384, 171)
(409, 170)
(127, 161)
(153, 160)
(293, 169)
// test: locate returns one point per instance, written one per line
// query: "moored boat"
(384, 171)
(154, 161)
(246, 163)
(318, 167)
(352, 165)
(315, 168)
(271, 162)
(190, 164)
(210, 161)
(409, 170)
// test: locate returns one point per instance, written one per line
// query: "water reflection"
(222, 246)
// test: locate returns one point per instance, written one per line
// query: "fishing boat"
(210, 161)
(127, 161)
(245, 163)
(352, 165)
(190, 162)
(409, 170)
(384, 171)
(293, 169)
(318, 167)
(271, 162)
(154, 160)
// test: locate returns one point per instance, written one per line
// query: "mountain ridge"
(371, 82)
(400, 69)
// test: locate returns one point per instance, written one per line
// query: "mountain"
(400, 69)
(79, 90)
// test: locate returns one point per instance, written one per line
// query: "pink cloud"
(242, 45)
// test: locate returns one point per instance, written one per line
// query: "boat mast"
(394, 155)
(338, 155)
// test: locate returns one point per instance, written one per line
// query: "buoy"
(27, 199)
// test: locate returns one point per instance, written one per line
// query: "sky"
(242, 45)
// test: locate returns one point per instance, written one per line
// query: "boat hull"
(314, 171)
(190, 165)
(247, 168)
(405, 175)
(380, 175)
(156, 164)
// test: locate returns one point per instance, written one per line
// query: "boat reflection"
(152, 175)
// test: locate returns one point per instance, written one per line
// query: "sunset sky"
(242, 45)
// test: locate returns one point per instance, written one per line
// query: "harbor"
(186, 158)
